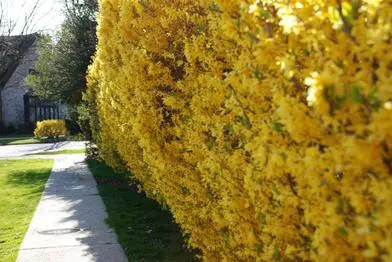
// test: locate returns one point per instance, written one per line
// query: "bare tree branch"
(1, 16)
(32, 28)
(29, 18)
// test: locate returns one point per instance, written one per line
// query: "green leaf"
(211, 143)
(239, 24)
(201, 28)
(356, 94)
(257, 73)
(262, 218)
(341, 207)
(228, 128)
(265, 13)
(224, 234)
(186, 119)
(340, 63)
(355, 6)
(334, 100)
(306, 52)
(277, 254)
(278, 127)
(214, 7)
(260, 247)
(253, 38)
(244, 121)
(343, 232)
(373, 100)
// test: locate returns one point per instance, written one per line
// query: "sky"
(47, 18)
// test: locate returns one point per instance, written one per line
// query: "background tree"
(60, 72)
(13, 44)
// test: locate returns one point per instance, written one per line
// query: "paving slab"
(97, 253)
(57, 237)
(70, 203)
(69, 222)
(92, 219)
(71, 189)
(75, 190)
(71, 181)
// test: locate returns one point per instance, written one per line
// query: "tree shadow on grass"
(29, 178)
(146, 232)
(72, 214)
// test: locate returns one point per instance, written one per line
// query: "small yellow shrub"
(50, 128)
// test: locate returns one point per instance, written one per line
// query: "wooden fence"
(37, 110)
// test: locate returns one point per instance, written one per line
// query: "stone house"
(19, 108)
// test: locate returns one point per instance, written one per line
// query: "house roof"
(12, 50)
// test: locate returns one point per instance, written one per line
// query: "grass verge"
(18, 140)
(62, 152)
(21, 183)
(145, 231)
(28, 140)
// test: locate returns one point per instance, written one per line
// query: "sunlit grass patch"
(21, 183)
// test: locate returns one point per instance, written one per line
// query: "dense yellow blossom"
(264, 125)
(50, 128)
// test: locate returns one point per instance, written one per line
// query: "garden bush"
(265, 126)
(50, 128)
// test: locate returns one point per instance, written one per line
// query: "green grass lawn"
(18, 140)
(62, 152)
(21, 186)
(145, 231)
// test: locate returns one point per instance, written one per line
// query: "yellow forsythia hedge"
(50, 128)
(265, 125)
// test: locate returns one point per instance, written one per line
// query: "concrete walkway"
(69, 222)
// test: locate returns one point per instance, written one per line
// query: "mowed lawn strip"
(21, 186)
(18, 140)
(145, 231)
(15, 140)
